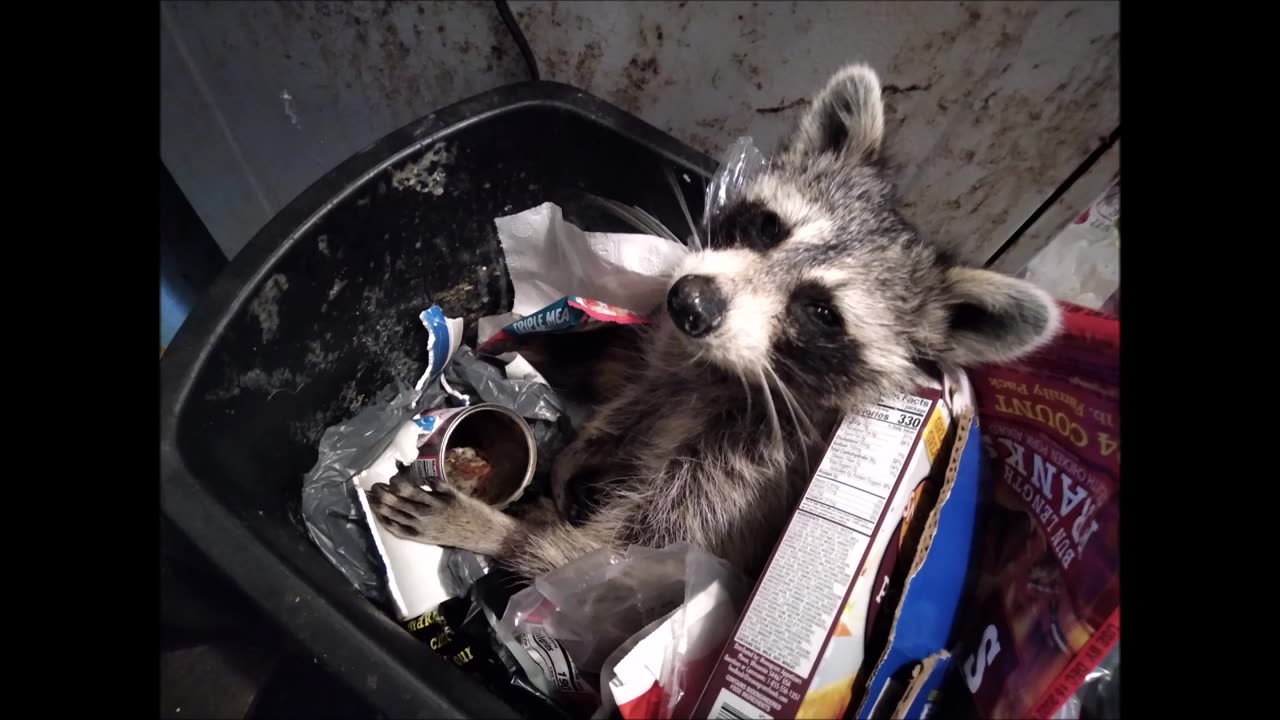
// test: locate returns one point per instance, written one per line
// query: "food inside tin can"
(466, 469)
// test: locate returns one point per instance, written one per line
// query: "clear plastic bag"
(660, 671)
(605, 600)
(742, 162)
(1098, 696)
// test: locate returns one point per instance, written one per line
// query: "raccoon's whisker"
(687, 459)
(511, 583)
(806, 434)
(808, 427)
(783, 361)
(773, 411)
(746, 389)
(798, 418)
(684, 207)
(624, 479)
(791, 408)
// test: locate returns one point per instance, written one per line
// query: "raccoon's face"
(811, 279)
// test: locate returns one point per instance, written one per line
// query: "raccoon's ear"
(994, 318)
(845, 118)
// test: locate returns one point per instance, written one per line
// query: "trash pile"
(863, 608)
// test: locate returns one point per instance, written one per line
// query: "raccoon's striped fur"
(811, 297)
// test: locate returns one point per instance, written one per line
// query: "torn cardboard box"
(798, 650)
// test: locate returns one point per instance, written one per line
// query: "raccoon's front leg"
(455, 520)
(442, 518)
(616, 375)
(534, 550)
(584, 460)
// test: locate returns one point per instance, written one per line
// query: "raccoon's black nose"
(696, 305)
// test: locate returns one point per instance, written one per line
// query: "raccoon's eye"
(824, 314)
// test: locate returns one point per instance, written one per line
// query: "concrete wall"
(992, 106)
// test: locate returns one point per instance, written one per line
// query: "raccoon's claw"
(407, 510)
(439, 518)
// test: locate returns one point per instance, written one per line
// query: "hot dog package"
(566, 315)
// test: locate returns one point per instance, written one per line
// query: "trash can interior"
(318, 314)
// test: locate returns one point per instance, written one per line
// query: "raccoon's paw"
(439, 518)
(409, 511)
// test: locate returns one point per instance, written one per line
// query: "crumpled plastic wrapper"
(597, 602)
(330, 508)
(549, 258)
(462, 569)
(1082, 263)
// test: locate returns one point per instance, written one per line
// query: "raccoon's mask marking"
(813, 278)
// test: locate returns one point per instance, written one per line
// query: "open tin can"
(486, 451)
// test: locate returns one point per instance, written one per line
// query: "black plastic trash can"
(318, 313)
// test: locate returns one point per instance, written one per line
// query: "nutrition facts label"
(864, 462)
(814, 565)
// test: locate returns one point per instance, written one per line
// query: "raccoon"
(812, 296)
